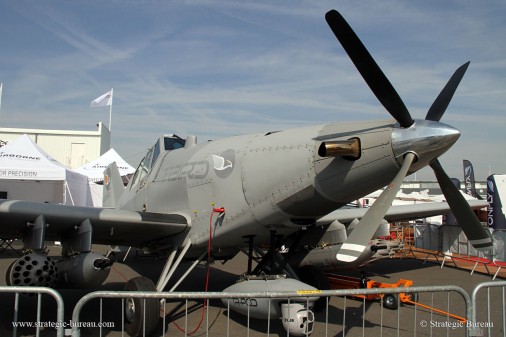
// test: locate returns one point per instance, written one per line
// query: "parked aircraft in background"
(195, 201)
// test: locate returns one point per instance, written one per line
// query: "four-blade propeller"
(369, 69)
(390, 99)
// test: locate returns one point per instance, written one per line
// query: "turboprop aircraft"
(189, 201)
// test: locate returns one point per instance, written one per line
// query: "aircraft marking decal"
(190, 170)
(219, 163)
(354, 247)
(309, 292)
(223, 163)
(346, 258)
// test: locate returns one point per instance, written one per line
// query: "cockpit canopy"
(167, 142)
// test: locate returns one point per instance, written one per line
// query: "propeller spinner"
(416, 143)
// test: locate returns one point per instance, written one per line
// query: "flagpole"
(104, 100)
(110, 111)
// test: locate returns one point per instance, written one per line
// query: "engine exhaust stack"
(341, 148)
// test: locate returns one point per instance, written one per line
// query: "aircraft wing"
(398, 213)
(110, 226)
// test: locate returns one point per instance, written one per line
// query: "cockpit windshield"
(164, 143)
(173, 142)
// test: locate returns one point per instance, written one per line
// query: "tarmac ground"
(345, 316)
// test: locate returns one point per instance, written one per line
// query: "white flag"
(104, 100)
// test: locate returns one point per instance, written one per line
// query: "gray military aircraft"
(190, 201)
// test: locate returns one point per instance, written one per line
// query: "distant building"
(70, 147)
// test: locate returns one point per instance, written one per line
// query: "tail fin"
(470, 186)
(496, 193)
(113, 186)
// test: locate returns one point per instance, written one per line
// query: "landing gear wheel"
(315, 277)
(391, 301)
(141, 315)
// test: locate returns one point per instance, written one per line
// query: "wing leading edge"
(110, 226)
(399, 212)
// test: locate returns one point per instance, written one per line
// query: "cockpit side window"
(169, 144)
(144, 167)
(156, 152)
(139, 173)
(149, 160)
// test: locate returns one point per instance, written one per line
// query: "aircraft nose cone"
(427, 139)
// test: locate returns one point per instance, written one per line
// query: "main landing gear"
(142, 315)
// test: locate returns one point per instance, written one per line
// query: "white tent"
(28, 173)
(95, 169)
(95, 173)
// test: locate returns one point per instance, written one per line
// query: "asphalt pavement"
(345, 316)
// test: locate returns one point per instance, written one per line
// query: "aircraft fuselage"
(265, 182)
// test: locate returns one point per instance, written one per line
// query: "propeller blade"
(442, 101)
(360, 237)
(369, 69)
(476, 234)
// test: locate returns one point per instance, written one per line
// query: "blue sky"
(221, 68)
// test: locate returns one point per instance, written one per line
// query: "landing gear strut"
(143, 314)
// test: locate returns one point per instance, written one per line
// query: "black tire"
(315, 277)
(391, 301)
(136, 309)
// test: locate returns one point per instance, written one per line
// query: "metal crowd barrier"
(434, 311)
(37, 323)
(345, 313)
(482, 311)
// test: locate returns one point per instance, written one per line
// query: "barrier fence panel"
(24, 322)
(437, 311)
(488, 300)
(427, 236)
